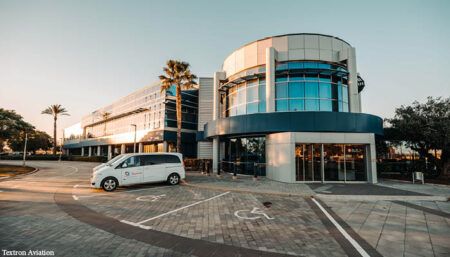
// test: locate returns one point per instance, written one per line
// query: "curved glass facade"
(246, 98)
(299, 86)
(311, 86)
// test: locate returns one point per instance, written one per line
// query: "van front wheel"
(173, 179)
(109, 184)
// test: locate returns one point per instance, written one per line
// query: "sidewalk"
(386, 190)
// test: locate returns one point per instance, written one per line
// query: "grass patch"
(13, 170)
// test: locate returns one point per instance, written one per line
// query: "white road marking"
(343, 232)
(75, 171)
(149, 198)
(75, 197)
(256, 211)
(101, 194)
(139, 224)
(135, 224)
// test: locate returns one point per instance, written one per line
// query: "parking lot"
(54, 209)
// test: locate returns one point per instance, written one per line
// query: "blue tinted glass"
(295, 65)
(296, 77)
(325, 79)
(281, 78)
(340, 106)
(339, 87)
(312, 105)
(310, 65)
(252, 94)
(345, 107)
(281, 105)
(252, 108)
(262, 106)
(311, 78)
(344, 94)
(311, 89)
(262, 81)
(296, 105)
(262, 92)
(296, 89)
(241, 95)
(325, 90)
(281, 90)
(324, 66)
(326, 105)
(282, 66)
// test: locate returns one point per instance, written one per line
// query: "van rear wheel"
(173, 179)
(109, 184)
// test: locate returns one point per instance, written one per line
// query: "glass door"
(308, 162)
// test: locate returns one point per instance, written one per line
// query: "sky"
(86, 54)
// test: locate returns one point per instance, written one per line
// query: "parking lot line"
(139, 224)
(343, 232)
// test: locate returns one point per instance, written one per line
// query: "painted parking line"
(111, 193)
(139, 224)
(352, 241)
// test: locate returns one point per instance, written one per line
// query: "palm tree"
(178, 74)
(105, 117)
(55, 110)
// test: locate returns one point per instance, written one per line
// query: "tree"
(105, 117)
(36, 140)
(11, 125)
(424, 127)
(178, 74)
(55, 110)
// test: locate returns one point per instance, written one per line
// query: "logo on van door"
(127, 173)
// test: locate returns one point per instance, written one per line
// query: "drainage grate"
(267, 204)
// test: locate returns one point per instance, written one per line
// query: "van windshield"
(113, 160)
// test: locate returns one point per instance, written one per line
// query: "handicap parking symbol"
(254, 214)
(149, 198)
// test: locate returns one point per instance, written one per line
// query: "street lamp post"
(134, 146)
(25, 149)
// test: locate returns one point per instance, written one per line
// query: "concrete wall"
(205, 114)
(280, 151)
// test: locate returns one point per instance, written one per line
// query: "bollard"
(255, 171)
(234, 170)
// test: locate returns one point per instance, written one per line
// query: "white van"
(138, 168)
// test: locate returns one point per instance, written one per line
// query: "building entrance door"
(308, 162)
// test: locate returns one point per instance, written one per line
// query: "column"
(215, 155)
(122, 148)
(67, 151)
(109, 152)
(353, 82)
(218, 76)
(165, 146)
(140, 147)
(99, 150)
(270, 79)
(371, 156)
(90, 151)
(82, 151)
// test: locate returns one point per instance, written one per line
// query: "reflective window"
(296, 89)
(326, 105)
(252, 108)
(281, 105)
(311, 90)
(281, 90)
(311, 105)
(325, 90)
(296, 105)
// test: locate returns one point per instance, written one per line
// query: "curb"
(410, 183)
(20, 175)
(383, 197)
(242, 190)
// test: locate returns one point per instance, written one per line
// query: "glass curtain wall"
(246, 98)
(310, 86)
(242, 154)
(341, 162)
